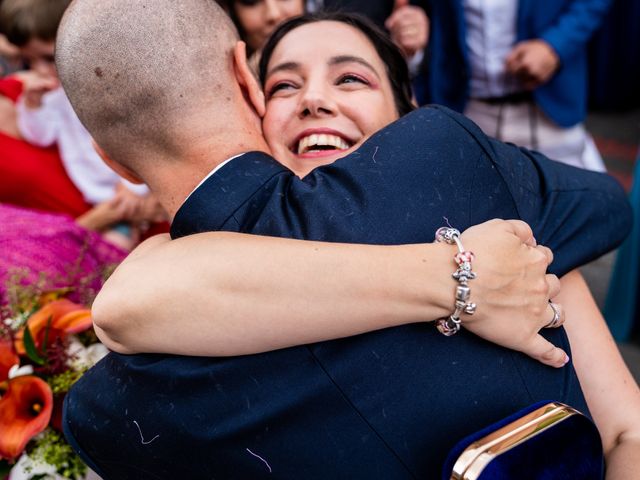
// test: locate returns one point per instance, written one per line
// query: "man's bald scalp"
(133, 69)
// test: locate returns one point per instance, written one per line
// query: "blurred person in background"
(45, 118)
(518, 69)
(257, 19)
(51, 232)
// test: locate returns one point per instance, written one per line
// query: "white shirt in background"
(56, 122)
(490, 34)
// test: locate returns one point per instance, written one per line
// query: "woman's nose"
(316, 103)
(273, 13)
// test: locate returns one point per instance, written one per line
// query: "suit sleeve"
(575, 26)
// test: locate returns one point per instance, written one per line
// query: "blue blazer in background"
(388, 404)
(566, 25)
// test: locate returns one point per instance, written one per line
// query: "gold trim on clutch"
(477, 456)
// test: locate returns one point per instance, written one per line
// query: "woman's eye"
(280, 87)
(350, 78)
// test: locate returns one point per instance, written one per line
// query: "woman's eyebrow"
(349, 59)
(286, 66)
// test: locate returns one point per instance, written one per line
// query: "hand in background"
(128, 202)
(34, 86)
(102, 216)
(150, 211)
(512, 289)
(534, 62)
(125, 206)
(408, 26)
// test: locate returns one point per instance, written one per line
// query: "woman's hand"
(102, 216)
(512, 289)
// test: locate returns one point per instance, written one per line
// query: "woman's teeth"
(321, 141)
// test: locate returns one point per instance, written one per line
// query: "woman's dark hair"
(395, 64)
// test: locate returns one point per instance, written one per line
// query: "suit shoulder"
(438, 119)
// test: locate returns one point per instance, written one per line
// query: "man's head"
(150, 79)
(31, 25)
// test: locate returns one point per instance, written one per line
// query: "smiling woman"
(330, 81)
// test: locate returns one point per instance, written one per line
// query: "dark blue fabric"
(614, 59)
(565, 24)
(569, 450)
(388, 404)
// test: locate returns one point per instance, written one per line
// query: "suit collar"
(215, 200)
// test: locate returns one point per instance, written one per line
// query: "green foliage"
(51, 448)
(62, 382)
(30, 347)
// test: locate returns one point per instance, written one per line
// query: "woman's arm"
(611, 392)
(231, 294)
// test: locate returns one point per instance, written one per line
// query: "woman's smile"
(319, 142)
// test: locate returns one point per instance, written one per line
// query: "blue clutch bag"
(544, 441)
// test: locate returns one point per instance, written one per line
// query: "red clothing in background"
(34, 177)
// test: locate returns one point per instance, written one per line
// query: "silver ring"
(556, 315)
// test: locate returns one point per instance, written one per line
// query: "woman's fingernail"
(566, 359)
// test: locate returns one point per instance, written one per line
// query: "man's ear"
(123, 171)
(247, 80)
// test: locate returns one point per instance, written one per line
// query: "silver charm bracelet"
(451, 325)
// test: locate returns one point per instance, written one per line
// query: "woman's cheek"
(275, 121)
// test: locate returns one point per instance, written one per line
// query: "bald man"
(168, 108)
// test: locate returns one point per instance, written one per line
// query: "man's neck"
(173, 183)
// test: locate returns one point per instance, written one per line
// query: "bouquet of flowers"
(46, 344)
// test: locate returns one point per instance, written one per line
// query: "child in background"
(45, 117)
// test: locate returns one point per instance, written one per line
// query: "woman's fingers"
(546, 252)
(553, 283)
(520, 229)
(545, 352)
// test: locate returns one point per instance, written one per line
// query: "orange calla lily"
(75, 322)
(61, 315)
(8, 358)
(25, 411)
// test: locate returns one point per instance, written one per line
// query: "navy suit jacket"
(387, 404)
(566, 25)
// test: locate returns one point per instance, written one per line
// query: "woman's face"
(327, 91)
(259, 18)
